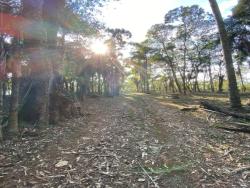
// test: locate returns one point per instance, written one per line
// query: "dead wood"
(6, 165)
(234, 128)
(225, 111)
(186, 109)
(240, 170)
(231, 126)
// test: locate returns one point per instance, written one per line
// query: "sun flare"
(99, 47)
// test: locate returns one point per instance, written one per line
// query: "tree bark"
(146, 76)
(1, 96)
(243, 87)
(13, 128)
(196, 82)
(204, 78)
(221, 80)
(227, 52)
(51, 16)
(40, 67)
(225, 111)
(99, 84)
(210, 78)
(175, 78)
(184, 61)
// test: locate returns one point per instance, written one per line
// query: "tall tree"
(160, 37)
(234, 95)
(141, 54)
(34, 43)
(186, 20)
(13, 127)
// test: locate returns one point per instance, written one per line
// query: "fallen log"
(230, 126)
(225, 111)
(234, 128)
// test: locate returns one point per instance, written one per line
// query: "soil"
(128, 141)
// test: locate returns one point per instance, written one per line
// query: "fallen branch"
(145, 172)
(231, 126)
(186, 109)
(225, 111)
(6, 165)
(234, 127)
(240, 170)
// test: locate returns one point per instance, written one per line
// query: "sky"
(138, 16)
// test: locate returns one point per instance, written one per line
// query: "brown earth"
(128, 141)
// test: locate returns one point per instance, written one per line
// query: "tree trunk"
(92, 84)
(1, 108)
(221, 80)
(184, 62)
(43, 16)
(1, 133)
(13, 113)
(66, 85)
(146, 76)
(40, 68)
(210, 78)
(99, 84)
(243, 87)
(1, 96)
(86, 83)
(227, 52)
(51, 13)
(71, 86)
(204, 79)
(43, 99)
(137, 86)
(171, 85)
(4, 94)
(196, 83)
(175, 78)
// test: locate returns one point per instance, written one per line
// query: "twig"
(239, 123)
(212, 111)
(155, 184)
(239, 170)
(205, 171)
(6, 165)
(25, 170)
(69, 176)
(40, 178)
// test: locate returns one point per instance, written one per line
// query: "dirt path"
(129, 141)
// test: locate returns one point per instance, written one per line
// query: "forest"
(83, 104)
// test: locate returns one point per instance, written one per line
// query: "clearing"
(128, 141)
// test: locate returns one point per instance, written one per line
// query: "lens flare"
(99, 47)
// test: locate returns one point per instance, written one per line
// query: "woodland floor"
(129, 141)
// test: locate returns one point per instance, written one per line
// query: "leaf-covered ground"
(128, 141)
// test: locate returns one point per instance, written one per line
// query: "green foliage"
(128, 86)
(74, 23)
(242, 12)
(238, 29)
(119, 36)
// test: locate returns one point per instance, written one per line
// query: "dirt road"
(128, 141)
